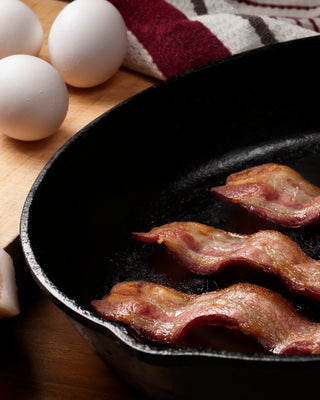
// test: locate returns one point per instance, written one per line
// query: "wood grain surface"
(43, 357)
(21, 162)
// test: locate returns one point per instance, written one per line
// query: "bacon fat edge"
(274, 192)
(164, 315)
(205, 250)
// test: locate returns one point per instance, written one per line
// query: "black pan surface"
(152, 160)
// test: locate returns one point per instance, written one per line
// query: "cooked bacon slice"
(165, 315)
(274, 192)
(205, 250)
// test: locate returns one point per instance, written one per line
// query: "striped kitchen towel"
(169, 37)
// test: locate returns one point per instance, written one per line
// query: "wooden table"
(20, 162)
(42, 356)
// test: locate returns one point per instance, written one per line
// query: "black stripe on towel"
(199, 7)
(263, 31)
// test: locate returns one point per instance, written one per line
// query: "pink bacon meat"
(165, 315)
(205, 250)
(274, 192)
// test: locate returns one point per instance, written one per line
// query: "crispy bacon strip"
(205, 250)
(165, 315)
(274, 192)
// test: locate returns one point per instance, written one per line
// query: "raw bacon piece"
(274, 192)
(205, 250)
(9, 303)
(165, 315)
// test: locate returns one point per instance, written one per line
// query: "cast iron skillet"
(152, 160)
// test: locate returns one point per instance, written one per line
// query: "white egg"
(20, 29)
(9, 302)
(87, 42)
(33, 97)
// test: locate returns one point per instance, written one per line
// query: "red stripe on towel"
(175, 43)
(314, 24)
(280, 6)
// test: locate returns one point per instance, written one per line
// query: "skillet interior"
(152, 160)
(188, 199)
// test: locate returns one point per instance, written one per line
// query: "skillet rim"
(71, 308)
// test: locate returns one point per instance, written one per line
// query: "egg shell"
(20, 29)
(33, 98)
(87, 42)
